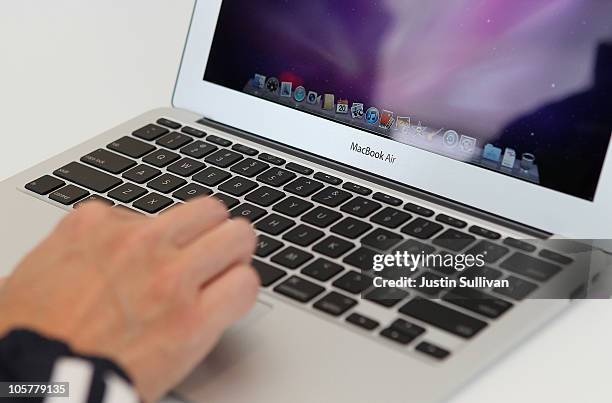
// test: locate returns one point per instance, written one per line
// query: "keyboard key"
(219, 141)
(293, 207)
(238, 186)
(332, 180)
(161, 158)
(483, 232)
(229, 201)
(490, 251)
(421, 228)
(428, 277)
(321, 217)
(331, 197)
(131, 147)
(274, 224)
(141, 174)
(382, 239)
(478, 302)
(193, 132)
(431, 350)
(454, 240)
(266, 246)
(453, 222)
(292, 166)
(555, 257)
(271, 159)
(169, 124)
(303, 187)
(192, 191)
(407, 328)
(198, 149)
(45, 185)
(486, 272)
(88, 177)
(93, 198)
(166, 183)
(150, 132)
(362, 321)
(153, 203)
(303, 235)
(414, 247)
(108, 161)
(351, 228)
(249, 167)
(515, 243)
(186, 167)
(388, 199)
(248, 211)
(518, 289)
(292, 257)
(174, 140)
(387, 297)
(391, 218)
(530, 267)
(265, 196)
(224, 158)
(353, 282)
(396, 336)
(322, 269)
(355, 188)
(127, 193)
(362, 258)
(442, 317)
(360, 207)
(402, 331)
(333, 247)
(276, 177)
(334, 304)
(211, 176)
(415, 208)
(68, 195)
(299, 289)
(268, 275)
(241, 148)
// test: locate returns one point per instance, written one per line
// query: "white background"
(70, 69)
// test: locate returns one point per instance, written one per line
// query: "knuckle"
(215, 207)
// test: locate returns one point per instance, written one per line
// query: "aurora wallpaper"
(532, 75)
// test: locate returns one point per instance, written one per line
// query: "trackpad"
(235, 345)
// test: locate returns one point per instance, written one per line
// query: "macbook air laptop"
(344, 130)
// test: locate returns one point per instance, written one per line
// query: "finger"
(122, 212)
(240, 286)
(230, 243)
(184, 224)
(2, 281)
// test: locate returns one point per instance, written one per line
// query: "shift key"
(87, 177)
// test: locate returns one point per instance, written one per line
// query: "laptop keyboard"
(317, 233)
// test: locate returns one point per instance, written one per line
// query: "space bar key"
(88, 177)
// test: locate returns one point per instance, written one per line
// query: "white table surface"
(70, 69)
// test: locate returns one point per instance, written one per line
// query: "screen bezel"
(542, 208)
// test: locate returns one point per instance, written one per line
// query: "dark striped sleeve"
(26, 356)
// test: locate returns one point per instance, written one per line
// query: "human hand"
(152, 294)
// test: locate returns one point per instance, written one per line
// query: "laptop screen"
(522, 88)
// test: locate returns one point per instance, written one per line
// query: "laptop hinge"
(367, 176)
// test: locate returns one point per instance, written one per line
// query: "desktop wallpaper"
(531, 75)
